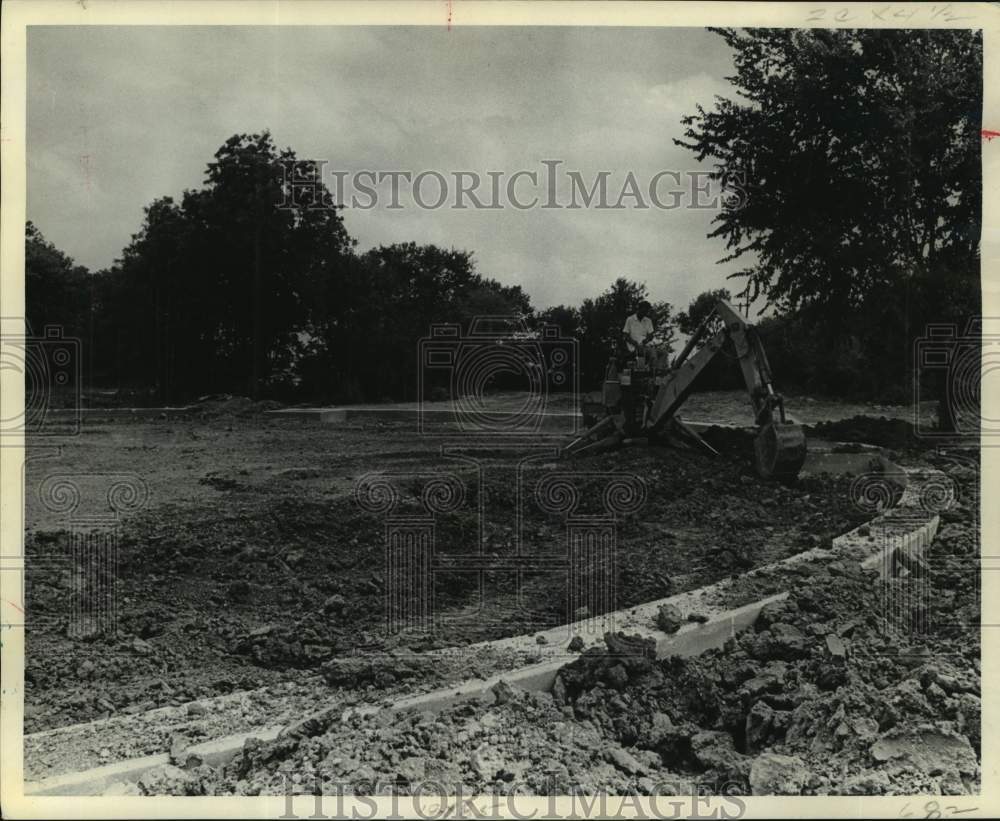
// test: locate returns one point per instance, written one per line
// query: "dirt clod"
(774, 774)
(669, 618)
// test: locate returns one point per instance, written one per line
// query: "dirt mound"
(894, 434)
(846, 687)
(262, 571)
(857, 681)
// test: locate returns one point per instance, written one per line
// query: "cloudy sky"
(118, 116)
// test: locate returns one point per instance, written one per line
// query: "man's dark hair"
(644, 304)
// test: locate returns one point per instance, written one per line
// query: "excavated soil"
(830, 692)
(252, 565)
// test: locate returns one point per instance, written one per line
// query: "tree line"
(860, 152)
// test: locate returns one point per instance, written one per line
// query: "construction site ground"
(251, 574)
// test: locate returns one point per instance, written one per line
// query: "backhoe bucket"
(779, 451)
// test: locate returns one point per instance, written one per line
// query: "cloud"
(149, 107)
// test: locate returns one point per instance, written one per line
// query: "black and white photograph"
(457, 409)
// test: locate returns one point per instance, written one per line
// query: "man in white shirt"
(638, 331)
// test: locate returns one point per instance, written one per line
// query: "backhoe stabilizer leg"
(609, 442)
(601, 426)
(690, 435)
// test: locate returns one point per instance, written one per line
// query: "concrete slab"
(495, 422)
(118, 413)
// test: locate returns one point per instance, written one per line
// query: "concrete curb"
(690, 640)
(94, 781)
(398, 414)
(885, 534)
(567, 422)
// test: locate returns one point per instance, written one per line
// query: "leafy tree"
(702, 305)
(368, 344)
(57, 290)
(565, 317)
(223, 283)
(270, 251)
(60, 294)
(859, 151)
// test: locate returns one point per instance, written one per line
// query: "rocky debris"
(820, 697)
(239, 590)
(774, 774)
(285, 584)
(802, 700)
(835, 646)
(715, 751)
(758, 726)
(490, 765)
(780, 641)
(334, 604)
(143, 648)
(669, 618)
(949, 679)
(179, 750)
(412, 770)
(905, 698)
(622, 658)
(876, 782)
(624, 761)
(576, 644)
(311, 725)
(169, 779)
(927, 748)
(502, 692)
(969, 719)
(381, 669)
(774, 613)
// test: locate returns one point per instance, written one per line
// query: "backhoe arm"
(686, 368)
(675, 390)
(779, 446)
